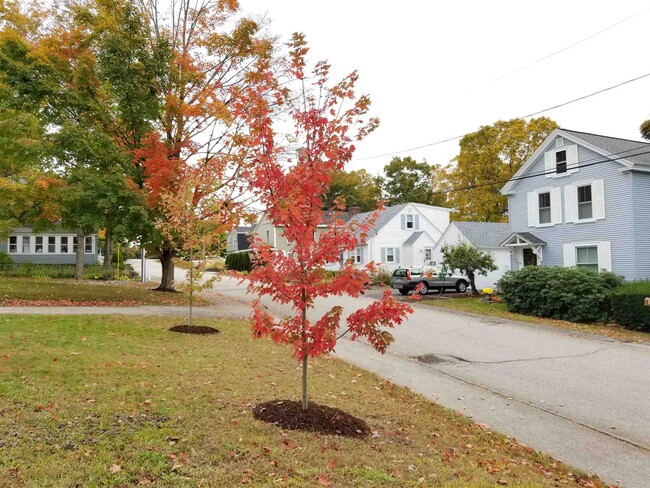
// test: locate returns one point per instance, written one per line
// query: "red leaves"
(325, 128)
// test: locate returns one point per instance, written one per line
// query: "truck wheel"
(404, 291)
(461, 286)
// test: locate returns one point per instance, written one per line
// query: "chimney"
(354, 210)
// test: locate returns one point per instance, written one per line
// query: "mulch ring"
(194, 329)
(289, 414)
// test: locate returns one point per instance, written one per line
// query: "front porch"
(526, 249)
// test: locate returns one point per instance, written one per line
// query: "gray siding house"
(582, 200)
(55, 247)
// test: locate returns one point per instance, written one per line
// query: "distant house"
(485, 236)
(404, 235)
(272, 234)
(582, 200)
(54, 247)
(237, 240)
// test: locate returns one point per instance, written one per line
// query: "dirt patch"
(289, 414)
(194, 329)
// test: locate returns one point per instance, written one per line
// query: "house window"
(428, 254)
(544, 208)
(410, 222)
(390, 254)
(64, 244)
(39, 244)
(51, 244)
(585, 210)
(74, 244)
(88, 244)
(587, 257)
(13, 244)
(268, 237)
(26, 244)
(560, 162)
(358, 255)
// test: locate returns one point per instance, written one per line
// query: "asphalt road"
(584, 399)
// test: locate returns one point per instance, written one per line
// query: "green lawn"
(121, 401)
(478, 306)
(31, 291)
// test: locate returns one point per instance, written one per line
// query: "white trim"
(604, 253)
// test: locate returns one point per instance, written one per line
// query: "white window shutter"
(549, 164)
(569, 255)
(598, 195)
(533, 209)
(416, 222)
(396, 251)
(556, 205)
(383, 254)
(605, 255)
(363, 257)
(572, 159)
(570, 203)
(403, 221)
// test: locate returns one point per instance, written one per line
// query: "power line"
(571, 45)
(542, 173)
(436, 143)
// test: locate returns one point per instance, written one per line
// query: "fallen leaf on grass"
(324, 480)
(331, 465)
(115, 468)
(289, 444)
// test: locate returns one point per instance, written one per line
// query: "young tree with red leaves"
(327, 121)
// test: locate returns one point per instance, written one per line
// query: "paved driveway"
(584, 399)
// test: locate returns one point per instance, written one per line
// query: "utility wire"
(436, 143)
(542, 173)
(571, 45)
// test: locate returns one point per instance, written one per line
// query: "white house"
(404, 235)
(485, 236)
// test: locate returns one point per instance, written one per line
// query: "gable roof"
(626, 152)
(242, 229)
(385, 216)
(412, 238)
(484, 234)
(388, 213)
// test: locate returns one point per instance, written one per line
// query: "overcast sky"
(432, 69)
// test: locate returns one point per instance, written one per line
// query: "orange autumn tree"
(327, 121)
(214, 55)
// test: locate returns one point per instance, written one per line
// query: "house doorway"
(530, 258)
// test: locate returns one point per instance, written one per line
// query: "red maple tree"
(327, 120)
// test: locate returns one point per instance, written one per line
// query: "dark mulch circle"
(194, 329)
(289, 414)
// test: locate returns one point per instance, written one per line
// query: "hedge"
(57, 271)
(239, 261)
(573, 294)
(628, 309)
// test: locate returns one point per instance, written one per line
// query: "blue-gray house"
(55, 247)
(582, 200)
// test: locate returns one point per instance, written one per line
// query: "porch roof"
(522, 239)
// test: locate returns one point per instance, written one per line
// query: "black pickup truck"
(407, 279)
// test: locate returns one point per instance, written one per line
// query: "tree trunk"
(79, 256)
(167, 262)
(471, 283)
(108, 253)
(304, 350)
(191, 283)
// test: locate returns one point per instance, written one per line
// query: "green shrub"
(381, 277)
(239, 261)
(573, 294)
(5, 258)
(628, 309)
(60, 271)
